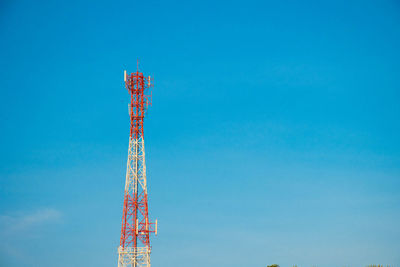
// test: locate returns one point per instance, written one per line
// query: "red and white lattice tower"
(134, 249)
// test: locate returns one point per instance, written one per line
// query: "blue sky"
(273, 135)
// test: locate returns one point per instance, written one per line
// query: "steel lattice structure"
(134, 249)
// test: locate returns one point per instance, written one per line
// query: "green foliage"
(273, 265)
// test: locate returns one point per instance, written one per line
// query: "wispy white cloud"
(9, 224)
(22, 225)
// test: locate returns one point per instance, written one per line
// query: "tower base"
(134, 257)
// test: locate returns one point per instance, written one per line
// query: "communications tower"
(134, 248)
